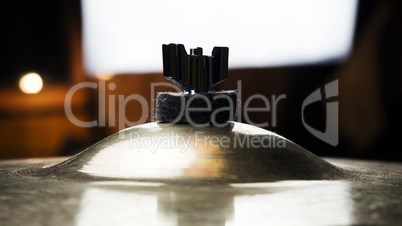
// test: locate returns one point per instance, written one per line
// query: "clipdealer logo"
(329, 135)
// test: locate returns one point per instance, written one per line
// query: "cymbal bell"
(183, 153)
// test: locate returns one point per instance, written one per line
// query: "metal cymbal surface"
(162, 152)
(111, 183)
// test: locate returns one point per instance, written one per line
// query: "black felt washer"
(200, 108)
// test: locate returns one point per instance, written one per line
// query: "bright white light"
(108, 207)
(125, 36)
(296, 201)
(31, 83)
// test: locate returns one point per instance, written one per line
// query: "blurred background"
(291, 48)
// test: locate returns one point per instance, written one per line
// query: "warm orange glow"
(104, 76)
(31, 83)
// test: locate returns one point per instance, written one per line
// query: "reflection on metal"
(30, 196)
(312, 203)
(121, 207)
(183, 153)
(259, 204)
(164, 174)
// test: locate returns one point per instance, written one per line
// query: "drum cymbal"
(374, 198)
(209, 191)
